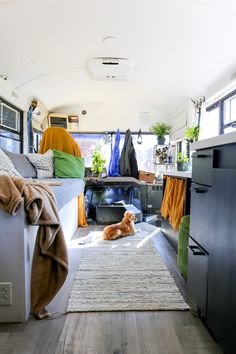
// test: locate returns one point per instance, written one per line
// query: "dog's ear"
(131, 217)
(126, 215)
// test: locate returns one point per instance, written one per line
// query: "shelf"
(166, 145)
(159, 163)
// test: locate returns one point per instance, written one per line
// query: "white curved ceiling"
(180, 48)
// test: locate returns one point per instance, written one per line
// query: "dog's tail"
(92, 236)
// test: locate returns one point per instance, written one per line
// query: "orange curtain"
(173, 201)
(59, 139)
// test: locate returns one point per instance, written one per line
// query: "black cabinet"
(200, 235)
(212, 245)
(221, 313)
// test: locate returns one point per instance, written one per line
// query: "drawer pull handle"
(200, 156)
(196, 251)
(198, 190)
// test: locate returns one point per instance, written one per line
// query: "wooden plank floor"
(149, 332)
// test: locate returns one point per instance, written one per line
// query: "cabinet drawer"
(202, 164)
(198, 275)
(200, 214)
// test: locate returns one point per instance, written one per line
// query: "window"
(210, 125)
(88, 143)
(144, 151)
(9, 117)
(230, 110)
(220, 117)
(11, 127)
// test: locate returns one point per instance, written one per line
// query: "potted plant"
(192, 133)
(183, 162)
(160, 130)
(98, 163)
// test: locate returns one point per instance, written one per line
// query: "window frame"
(220, 104)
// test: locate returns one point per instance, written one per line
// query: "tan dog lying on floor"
(123, 228)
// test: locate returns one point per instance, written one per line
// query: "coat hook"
(140, 138)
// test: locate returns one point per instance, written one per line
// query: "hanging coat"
(128, 161)
(115, 156)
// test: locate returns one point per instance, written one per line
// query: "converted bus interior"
(123, 114)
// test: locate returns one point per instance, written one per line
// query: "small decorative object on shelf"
(163, 155)
(163, 158)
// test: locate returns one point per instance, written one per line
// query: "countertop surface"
(117, 180)
(181, 174)
(222, 139)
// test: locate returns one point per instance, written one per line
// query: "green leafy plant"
(98, 162)
(183, 162)
(160, 129)
(192, 133)
(181, 157)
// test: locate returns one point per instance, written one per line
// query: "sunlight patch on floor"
(141, 243)
(94, 238)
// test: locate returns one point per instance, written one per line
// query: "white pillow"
(7, 166)
(43, 164)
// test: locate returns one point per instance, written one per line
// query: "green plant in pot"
(192, 133)
(183, 162)
(160, 130)
(98, 163)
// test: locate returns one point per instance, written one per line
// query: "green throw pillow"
(68, 166)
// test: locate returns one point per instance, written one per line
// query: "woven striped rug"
(127, 274)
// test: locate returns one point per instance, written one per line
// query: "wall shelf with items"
(163, 157)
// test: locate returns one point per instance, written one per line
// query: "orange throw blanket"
(173, 201)
(59, 139)
(50, 260)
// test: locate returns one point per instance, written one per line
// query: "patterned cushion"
(22, 164)
(7, 165)
(43, 164)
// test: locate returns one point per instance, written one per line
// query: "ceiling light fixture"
(109, 40)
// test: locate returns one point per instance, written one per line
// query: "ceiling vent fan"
(110, 68)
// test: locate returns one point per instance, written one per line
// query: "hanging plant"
(192, 133)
